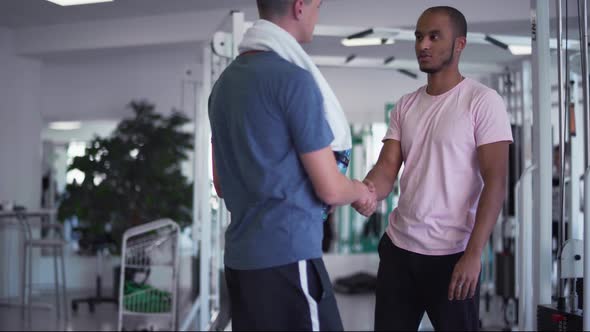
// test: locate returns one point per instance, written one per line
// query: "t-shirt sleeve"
(394, 131)
(305, 115)
(491, 123)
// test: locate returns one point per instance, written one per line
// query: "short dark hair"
(457, 18)
(274, 8)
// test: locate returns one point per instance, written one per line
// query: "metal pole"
(203, 180)
(523, 191)
(577, 166)
(196, 171)
(560, 239)
(527, 114)
(526, 311)
(542, 150)
(584, 61)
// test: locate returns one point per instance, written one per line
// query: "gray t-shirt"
(265, 112)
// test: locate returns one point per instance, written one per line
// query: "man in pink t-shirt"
(452, 136)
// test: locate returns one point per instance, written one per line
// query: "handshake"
(367, 204)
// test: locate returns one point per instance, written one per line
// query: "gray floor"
(356, 312)
(103, 319)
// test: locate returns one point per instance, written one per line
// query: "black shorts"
(409, 284)
(293, 297)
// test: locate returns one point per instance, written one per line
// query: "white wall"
(20, 143)
(20, 147)
(99, 87)
(364, 92)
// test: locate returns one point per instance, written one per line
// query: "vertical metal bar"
(63, 282)
(143, 303)
(55, 282)
(217, 272)
(526, 312)
(120, 296)
(197, 235)
(584, 60)
(577, 166)
(24, 271)
(542, 150)
(238, 30)
(176, 260)
(29, 276)
(205, 226)
(568, 141)
(527, 109)
(560, 229)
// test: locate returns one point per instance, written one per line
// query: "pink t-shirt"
(441, 182)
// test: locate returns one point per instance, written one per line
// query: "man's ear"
(460, 43)
(297, 9)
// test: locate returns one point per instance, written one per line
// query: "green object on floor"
(146, 299)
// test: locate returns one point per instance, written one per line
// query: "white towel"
(267, 36)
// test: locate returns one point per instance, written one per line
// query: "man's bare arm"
(384, 173)
(331, 186)
(493, 163)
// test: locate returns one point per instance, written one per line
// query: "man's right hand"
(368, 202)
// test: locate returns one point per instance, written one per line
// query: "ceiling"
(505, 17)
(513, 18)
(28, 13)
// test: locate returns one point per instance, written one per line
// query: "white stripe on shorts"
(313, 306)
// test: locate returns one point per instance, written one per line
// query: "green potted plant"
(133, 176)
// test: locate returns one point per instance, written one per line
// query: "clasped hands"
(367, 204)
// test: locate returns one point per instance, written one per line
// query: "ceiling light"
(76, 2)
(496, 42)
(514, 49)
(388, 60)
(367, 41)
(361, 34)
(408, 73)
(350, 58)
(65, 125)
(520, 49)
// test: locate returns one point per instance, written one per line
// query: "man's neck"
(443, 81)
(287, 25)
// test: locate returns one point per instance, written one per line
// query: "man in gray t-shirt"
(257, 139)
(275, 169)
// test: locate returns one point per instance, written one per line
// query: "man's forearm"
(382, 181)
(490, 205)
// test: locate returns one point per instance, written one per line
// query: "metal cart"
(148, 288)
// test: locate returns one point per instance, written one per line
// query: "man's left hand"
(465, 277)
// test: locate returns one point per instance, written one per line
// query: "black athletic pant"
(409, 284)
(294, 297)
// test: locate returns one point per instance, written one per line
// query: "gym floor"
(356, 312)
